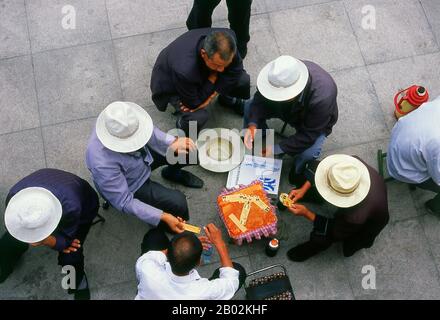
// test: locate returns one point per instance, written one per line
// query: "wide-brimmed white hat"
(33, 214)
(342, 180)
(283, 79)
(220, 150)
(124, 127)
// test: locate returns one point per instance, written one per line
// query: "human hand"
(50, 242)
(214, 234)
(296, 194)
(74, 246)
(267, 152)
(249, 137)
(183, 145)
(175, 223)
(301, 210)
(184, 108)
(213, 76)
(206, 243)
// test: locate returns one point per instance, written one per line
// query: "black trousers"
(156, 240)
(12, 249)
(241, 90)
(432, 186)
(239, 14)
(166, 199)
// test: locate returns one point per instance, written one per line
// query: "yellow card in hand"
(191, 228)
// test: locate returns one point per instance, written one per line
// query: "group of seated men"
(54, 208)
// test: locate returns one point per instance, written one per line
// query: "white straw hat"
(283, 79)
(342, 180)
(33, 214)
(124, 127)
(220, 150)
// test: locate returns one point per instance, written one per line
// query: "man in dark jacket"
(195, 68)
(239, 14)
(361, 196)
(301, 94)
(50, 208)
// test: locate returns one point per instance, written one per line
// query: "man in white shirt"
(167, 270)
(414, 150)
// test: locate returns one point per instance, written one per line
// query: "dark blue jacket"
(180, 71)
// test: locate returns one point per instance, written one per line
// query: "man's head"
(184, 253)
(218, 50)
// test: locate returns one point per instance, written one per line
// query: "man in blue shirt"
(52, 208)
(123, 150)
(414, 151)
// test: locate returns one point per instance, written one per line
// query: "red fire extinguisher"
(410, 99)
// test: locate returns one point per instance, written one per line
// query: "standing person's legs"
(241, 274)
(239, 14)
(154, 240)
(201, 14)
(11, 251)
(433, 204)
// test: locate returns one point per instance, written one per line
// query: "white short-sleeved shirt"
(157, 281)
(414, 149)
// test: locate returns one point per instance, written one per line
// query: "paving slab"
(76, 83)
(401, 29)
(65, 146)
(136, 57)
(319, 34)
(432, 11)
(19, 111)
(14, 39)
(57, 24)
(361, 118)
(403, 263)
(391, 77)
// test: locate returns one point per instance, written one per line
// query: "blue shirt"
(414, 150)
(118, 176)
(78, 199)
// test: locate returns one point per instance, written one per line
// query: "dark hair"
(184, 252)
(220, 42)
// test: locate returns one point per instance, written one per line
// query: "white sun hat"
(124, 127)
(33, 214)
(342, 180)
(283, 79)
(220, 150)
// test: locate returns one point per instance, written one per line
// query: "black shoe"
(236, 104)
(296, 179)
(5, 272)
(302, 252)
(429, 205)
(182, 177)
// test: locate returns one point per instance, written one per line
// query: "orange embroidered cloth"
(257, 218)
